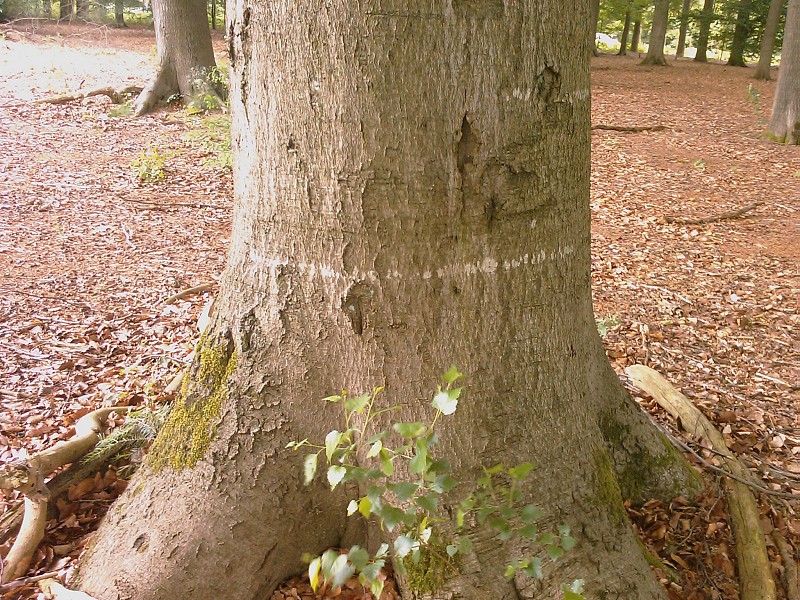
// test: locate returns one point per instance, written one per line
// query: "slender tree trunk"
(593, 28)
(82, 11)
(705, 19)
(681, 49)
(213, 14)
(741, 32)
(119, 13)
(623, 45)
(658, 34)
(637, 33)
(768, 40)
(185, 55)
(65, 9)
(406, 197)
(784, 126)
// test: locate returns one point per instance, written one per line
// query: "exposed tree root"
(57, 591)
(117, 96)
(790, 582)
(755, 577)
(629, 129)
(732, 214)
(198, 289)
(28, 477)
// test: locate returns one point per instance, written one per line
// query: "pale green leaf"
(352, 508)
(375, 449)
(332, 443)
(335, 475)
(410, 430)
(451, 375)
(365, 507)
(521, 471)
(403, 545)
(309, 468)
(356, 404)
(313, 573)
(443, 402)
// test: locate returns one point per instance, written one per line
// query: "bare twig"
(732, 214)
(166, 205)
(116, 96)
(198, 289)
(629, 129)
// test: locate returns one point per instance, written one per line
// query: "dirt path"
(88, 254)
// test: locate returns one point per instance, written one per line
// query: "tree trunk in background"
(65, 8)
(658, 34)
(784, 126)
(82, 10)
(593, 28)
(704, 23)
(768, 40)
(623, 45)
(681, 49)
(213, 14)
(185, 56)
(409, 193)
(740, 34)
(119, 13)
(637, 33)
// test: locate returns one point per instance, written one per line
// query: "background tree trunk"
(740, 34)
(119, 13)
(82, 10)
(623, 44)
(704, 24)
(658, 34)
(784, 126)
(768, 40)
(185, 55)
(637, 32)
(681, 49)
(65, 9)
(407, 197)
(593, 28)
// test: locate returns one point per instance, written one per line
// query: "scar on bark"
(355, 305)
(468, 146)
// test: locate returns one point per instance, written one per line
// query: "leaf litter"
(88, 254)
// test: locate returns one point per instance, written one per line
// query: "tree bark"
(768, 40)
(637, 32)
(784, 126)
(623, 45)
(119, 13)
(658, 34)
(681, 49)
(185, 56)
(741, 32)
(411, 191)
(65, 8)
(705, 19)
(593, 27)
(82, 9)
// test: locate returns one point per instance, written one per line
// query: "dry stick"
(59, 592)
(732, 214)
(28, 476)
(629, 129)
(755, 578)
(198, 289)
(165, 205)
(789, 565)
(116, 96)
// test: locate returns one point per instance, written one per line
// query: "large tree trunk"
(784, 126)
(623, 44)
(411, 191)
(185, 56)
(636, 35)
(768, 40)
(741, 32)
(705, 19)
(658, 34)
(681, 49)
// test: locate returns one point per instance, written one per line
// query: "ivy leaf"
(451, 550)
(410, 430)
(451, 375)
(309, 468)
(335, 475)
(332, 443)
(521, 471)
(356, 403)
(444, 402)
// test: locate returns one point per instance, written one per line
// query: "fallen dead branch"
(732, 214)
(117, 96)
(198, 289)
(789, 563)
(165, 205)
(629, 129)
(56, 591)
(28, 477)
(755, 578)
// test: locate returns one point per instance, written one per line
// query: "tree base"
(658, 61)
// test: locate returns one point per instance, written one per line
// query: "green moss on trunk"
(607, 495)
(187, 434)
(434, 569)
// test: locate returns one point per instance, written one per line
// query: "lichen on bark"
(187, 434)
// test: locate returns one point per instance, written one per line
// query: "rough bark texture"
(768, 40)
(412, 183)
(119, 13)
(704, 25)
(623, 43)
(741, 32)
(679, 51)
(185, 55)
(784, 126)
(658, 34)
(637, 33)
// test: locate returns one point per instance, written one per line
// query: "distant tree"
(623, 44)
(741, 32)
(636, 35)
(65, 9)
(685, 9)
(768, 39)
(185, 55)
(705, 19)
(658, 34)
(784, 126)
(119, 13)
(82, 10)
(593, 28)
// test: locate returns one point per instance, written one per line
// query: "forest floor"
(90, 250)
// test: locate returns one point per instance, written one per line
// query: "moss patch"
(607, 495)
(434, 569)
(186, 435)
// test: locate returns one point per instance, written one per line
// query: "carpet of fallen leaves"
(89, 254)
